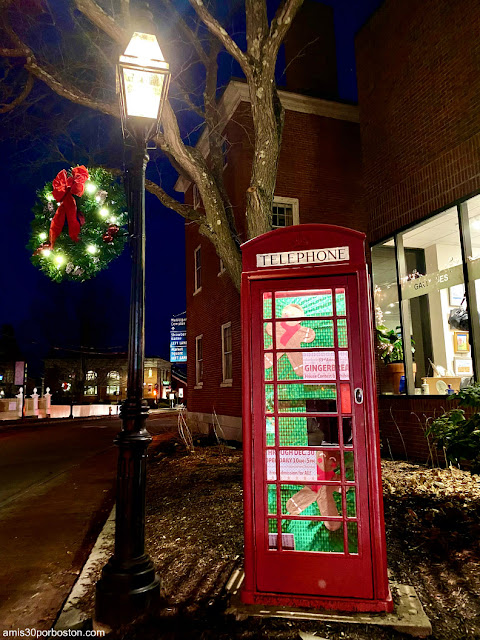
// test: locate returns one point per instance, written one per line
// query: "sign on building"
(178, 340)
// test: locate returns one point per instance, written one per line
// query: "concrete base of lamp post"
(124, 593)
(129, 586)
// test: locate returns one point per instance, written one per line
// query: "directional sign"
(178, 340)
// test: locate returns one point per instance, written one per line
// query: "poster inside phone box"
(314, 527)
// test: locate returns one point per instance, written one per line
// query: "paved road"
(56, 490)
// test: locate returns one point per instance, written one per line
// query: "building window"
(113, 383)
(198, 269)
(199, 360)
(90, 390)
(227, 352)
(225, 149)
(422, 300)
(113, 390)
(196, 197)
(285, 212)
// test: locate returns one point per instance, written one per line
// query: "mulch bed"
(195, 537)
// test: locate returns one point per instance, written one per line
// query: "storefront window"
(387, 314)
(428, 331)
(432, 287)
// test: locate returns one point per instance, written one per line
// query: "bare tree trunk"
(268, 118)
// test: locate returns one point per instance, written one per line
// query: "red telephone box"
(314, 528)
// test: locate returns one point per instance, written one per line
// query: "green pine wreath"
(103, 234)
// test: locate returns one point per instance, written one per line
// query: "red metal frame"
(354, 582)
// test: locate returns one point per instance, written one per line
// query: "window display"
(426, 264)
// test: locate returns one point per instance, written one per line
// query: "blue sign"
(178, 340)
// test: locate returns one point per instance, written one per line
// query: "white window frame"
(295, 207)
(198, 383)
(226, 382)
(196, 197)
(221, 268)
(197, 288)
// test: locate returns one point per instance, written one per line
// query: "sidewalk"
(32, 422)
(194, 534)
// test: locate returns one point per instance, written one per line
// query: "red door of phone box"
(314, 527)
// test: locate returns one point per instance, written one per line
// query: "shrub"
(458, 434)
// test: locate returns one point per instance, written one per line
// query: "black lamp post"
(129, 585)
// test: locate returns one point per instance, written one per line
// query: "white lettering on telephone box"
(312, 256)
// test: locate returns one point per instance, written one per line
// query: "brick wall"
(418, 66)
(402, 425)
(217, 303)
(320, 165)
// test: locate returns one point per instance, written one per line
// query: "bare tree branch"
(61, 88)
(102, 20)
(284, 16)
(216, 28)
(185, 97)
(187, 212)
(125, 11)
(257, 26)
(20, 98)
(58, 85)
(215, 137)
(5, 52)
(183, 27)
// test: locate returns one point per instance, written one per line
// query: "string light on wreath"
(79, 224)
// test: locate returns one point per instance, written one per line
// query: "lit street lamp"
(129, 585)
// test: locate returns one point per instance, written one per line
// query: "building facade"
(318, 180)
(103, 378)
(418, 67)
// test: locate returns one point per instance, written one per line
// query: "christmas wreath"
(92, 204)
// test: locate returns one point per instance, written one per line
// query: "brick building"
(418, 70)
(405, 168)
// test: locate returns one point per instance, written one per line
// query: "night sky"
(94, 314)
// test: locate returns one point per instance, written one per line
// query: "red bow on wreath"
(64, 188)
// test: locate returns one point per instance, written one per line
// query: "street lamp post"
(129, 585)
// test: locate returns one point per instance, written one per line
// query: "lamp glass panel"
(145, 49)
(143, 92)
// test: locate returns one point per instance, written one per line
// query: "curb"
(11, 425)
(7, 425)
(71, 616)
